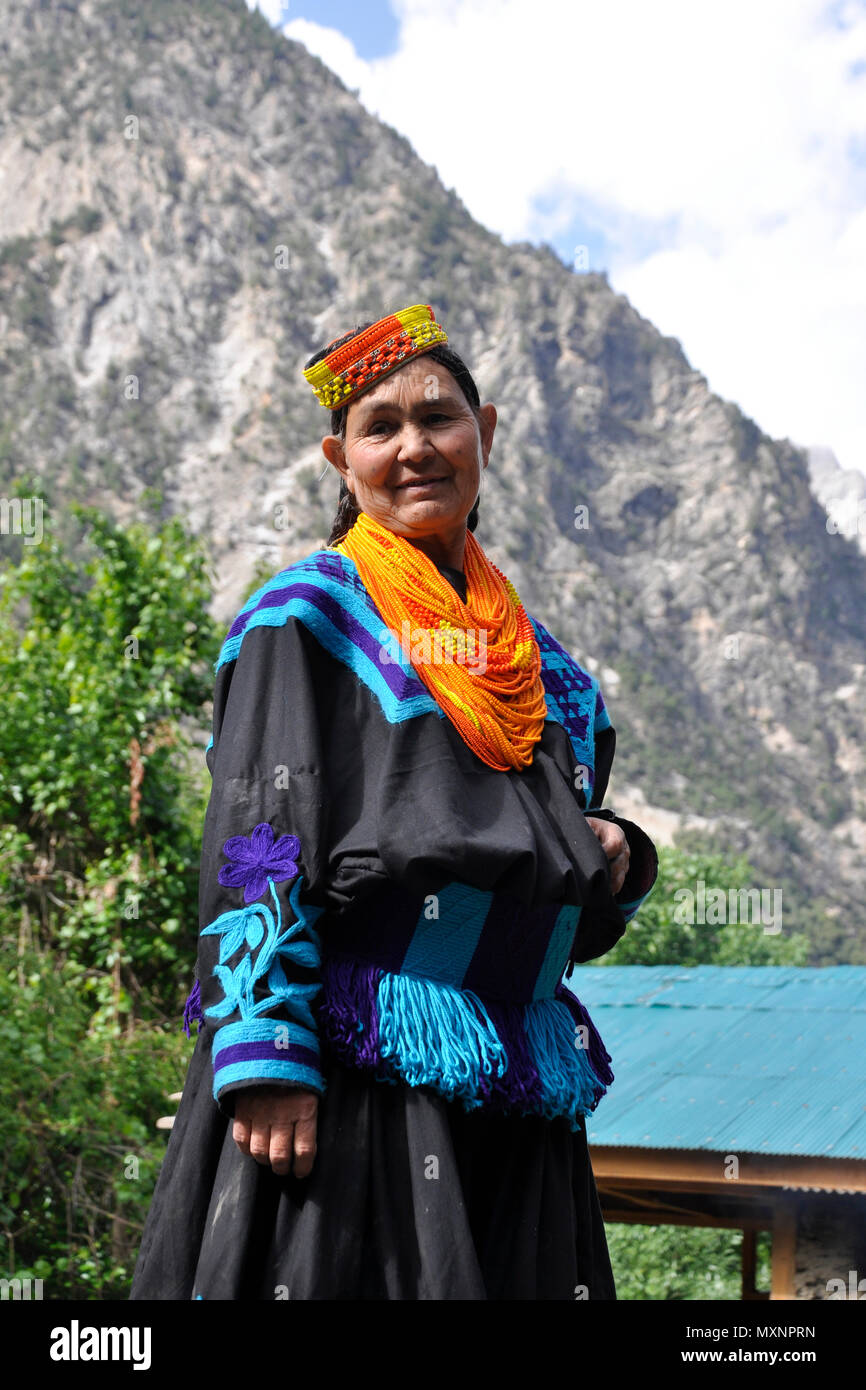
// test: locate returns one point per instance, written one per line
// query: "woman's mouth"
(419, 483)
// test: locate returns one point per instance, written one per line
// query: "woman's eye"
(382, 427)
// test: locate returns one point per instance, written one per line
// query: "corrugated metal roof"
(748, 1059)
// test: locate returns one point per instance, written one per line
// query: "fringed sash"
(540, 1058)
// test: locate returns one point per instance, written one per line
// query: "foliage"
(17, 250)
(681, 1262)
(79, 1154)
(656, 937)
(99, 832)
(106, 651)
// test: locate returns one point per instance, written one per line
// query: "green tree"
(107, 664)
(106, 652)
(674, 1263)
(79, 1151)
(659, 935)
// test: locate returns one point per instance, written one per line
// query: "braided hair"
(347, 509)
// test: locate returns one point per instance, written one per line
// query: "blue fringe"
(569, 1085)
(438, 1036)
(433, 1034)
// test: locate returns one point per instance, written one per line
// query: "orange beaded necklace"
(483, 666)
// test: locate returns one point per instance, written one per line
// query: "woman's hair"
(347, 510)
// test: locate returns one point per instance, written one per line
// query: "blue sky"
(711, 157)
(371, 25)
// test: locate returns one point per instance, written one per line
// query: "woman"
(388, 1093)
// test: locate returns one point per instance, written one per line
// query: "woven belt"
(489, 943)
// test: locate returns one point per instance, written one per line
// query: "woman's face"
(414, 452)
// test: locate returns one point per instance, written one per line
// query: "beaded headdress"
(374, 353)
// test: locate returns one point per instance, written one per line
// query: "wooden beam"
(651, 1216)
(748, 1206)
(700, 1170)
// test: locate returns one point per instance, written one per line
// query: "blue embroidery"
(256, 927)
(325, 592)
(573, 699)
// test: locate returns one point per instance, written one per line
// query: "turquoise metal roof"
(736, 1059)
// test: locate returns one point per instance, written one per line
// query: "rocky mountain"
(191, 204)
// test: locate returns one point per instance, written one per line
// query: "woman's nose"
(414, 442)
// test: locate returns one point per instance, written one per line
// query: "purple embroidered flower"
(192, 1010)
(257, 858)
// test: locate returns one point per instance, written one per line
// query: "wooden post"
(784, 1251)
(749, 1291)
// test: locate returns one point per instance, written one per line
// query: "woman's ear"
(486, 424)
(332, 448)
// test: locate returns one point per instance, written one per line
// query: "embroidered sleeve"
(261, 888)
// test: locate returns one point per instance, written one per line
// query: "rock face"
(191, 205)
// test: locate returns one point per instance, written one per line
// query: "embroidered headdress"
(380, 349)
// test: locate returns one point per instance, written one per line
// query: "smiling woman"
(412, 453)
(430, 406)
(403, 857)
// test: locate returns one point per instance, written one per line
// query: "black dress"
(417, 1191)
(511, 1213)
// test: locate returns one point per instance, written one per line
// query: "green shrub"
(79, 1151)
(681, 1262)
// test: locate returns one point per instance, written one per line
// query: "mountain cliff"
(192, 204)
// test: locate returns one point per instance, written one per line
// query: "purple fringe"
(348, 1015)
(192, 1012)
(520, 1084)
(599, 1057)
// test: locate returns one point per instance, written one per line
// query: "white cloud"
(271, 9)
(334, 49)
(718, 149)
(777, 320)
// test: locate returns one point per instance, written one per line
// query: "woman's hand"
(277, 1126)
(615, 846)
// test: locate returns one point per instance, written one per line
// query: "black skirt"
(410, 1197)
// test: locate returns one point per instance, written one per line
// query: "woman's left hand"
(615, 846)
